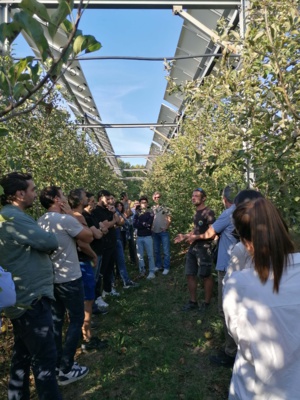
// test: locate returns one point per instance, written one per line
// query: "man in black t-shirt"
(106, 213)
(198, 258)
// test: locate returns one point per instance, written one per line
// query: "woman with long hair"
(262, 307)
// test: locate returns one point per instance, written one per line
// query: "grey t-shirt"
(161, 218)
(65, 258)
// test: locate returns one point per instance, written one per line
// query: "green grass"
(155, 352)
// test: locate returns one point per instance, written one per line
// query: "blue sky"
(129, 91)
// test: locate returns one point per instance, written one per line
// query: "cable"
(129, 58)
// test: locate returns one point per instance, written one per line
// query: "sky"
(128, 91)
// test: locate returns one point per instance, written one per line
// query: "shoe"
(222, 360)
(151, 275)
(141, 275)
(190, 306)
(100, 311)
(93, 344)
(101, 303)
(166, 271)
(113, 292)
(156, 269)
(203, 308)
(77, 372)
(130, 284)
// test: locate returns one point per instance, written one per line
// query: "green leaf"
(34, 7)
(35, 72)
(19, 90)
(19, 68)
(86, 43)
(4, 84)
(67, 26)
(33, 28)
(64, 8)
(3, 132)
(92, 44)
(79, 44)
(9, 31)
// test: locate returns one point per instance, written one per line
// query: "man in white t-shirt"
(68, 286)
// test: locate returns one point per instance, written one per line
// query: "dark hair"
(117, 203)
(230, 192)
(145, 198)
(75, 197)
(48, 195)
(11, 183)
(102, 193)
(259, 222)
(246, 195)
(201, 191)
(89, 194)
(122, 195)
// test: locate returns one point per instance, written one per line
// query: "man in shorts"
(198, 259)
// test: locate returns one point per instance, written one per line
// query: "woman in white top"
(262, 308)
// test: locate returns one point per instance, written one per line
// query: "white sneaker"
(112, 293)
(151, 275)
(166, 271)
(156, 269)
(101, 303)
(77, 372)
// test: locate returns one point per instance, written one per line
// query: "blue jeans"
(69, 297)
(34, 346)
(145, 243)
(121, 262)
(161, 239)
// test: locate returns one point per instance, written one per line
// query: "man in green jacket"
(25, 249)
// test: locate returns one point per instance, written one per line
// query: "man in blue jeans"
(161, 238)
(68, 285)
(25, 250)
(142, 222)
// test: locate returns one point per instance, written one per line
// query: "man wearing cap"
(198, 259)
(160, 234)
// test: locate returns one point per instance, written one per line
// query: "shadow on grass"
(156, 351)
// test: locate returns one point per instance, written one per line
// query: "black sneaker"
(77, 372)
(130, 284)
(93, 344)
(222, 360)
(190, 306)
(203, 308)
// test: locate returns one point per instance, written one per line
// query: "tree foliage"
(50, 147)
(246, 115)
(20, 82)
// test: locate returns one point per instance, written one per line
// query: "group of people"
(258, 291)
(64, 263)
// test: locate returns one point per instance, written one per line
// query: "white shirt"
(239, 260)
(266, 327)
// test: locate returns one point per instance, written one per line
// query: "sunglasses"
(157, 197)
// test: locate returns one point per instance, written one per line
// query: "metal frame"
(83, 105)
(141, 4)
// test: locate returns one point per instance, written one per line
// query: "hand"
(103, 226)
(191, 238)
(94, 262)
(179, 238)
(65, 208)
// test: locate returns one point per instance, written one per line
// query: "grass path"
(155, 352)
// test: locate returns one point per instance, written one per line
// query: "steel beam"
(100, 125)
(142, 4)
